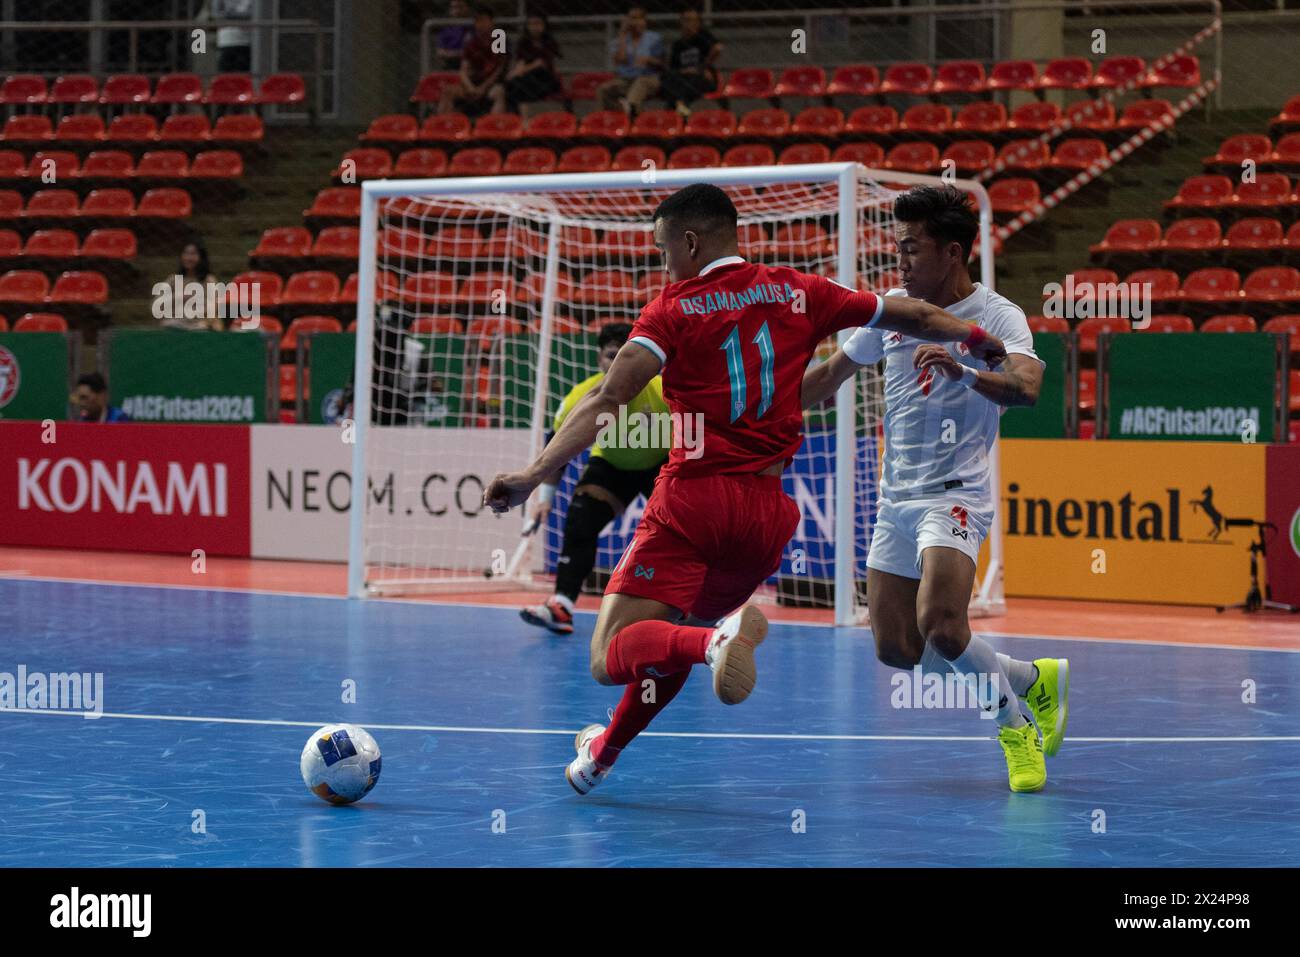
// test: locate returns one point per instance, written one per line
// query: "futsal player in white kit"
(935, 499)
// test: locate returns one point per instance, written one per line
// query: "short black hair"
(945, 212)
(702, 207)
(613, 332)
(94, 380)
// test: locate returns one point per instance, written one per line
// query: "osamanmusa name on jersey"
(727, 300)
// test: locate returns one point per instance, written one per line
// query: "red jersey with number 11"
(735, 342)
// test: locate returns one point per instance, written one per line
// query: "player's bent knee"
(897, 655)
(946, 629)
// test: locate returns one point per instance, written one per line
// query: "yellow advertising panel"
(1129, 521)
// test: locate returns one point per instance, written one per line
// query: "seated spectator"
(690, 72)
(234, 44)
(196, 280)
(450, 41)
(636, 56)
(91, 398)
(482, 65)
(533, 76)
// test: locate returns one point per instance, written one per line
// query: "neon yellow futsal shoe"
(1049, 699)
(1026, 770)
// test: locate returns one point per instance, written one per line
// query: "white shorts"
(905, 529)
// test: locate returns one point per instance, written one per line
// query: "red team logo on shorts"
(959, 515)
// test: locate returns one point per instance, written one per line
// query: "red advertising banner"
(148, 488)
(1282, 498)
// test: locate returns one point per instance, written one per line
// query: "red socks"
(659, 645)
(644, 651)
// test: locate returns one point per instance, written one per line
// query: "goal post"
(477, 306)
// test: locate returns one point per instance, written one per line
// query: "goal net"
(480, 305)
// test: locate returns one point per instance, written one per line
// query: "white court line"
(416, 603)
(569, 732)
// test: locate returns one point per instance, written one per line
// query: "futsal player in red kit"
(732, 340)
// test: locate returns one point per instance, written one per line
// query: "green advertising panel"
(573, 359)
(33, 375)
(1046, 419)
(330, 359)
(1191, 386)
(169, 375)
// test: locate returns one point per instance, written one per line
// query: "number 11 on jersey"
(736, 372)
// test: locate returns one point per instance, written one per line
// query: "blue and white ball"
(341, 763)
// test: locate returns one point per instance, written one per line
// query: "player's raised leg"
(947, 577)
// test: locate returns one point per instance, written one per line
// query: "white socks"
(980, 666)
(1021, 674)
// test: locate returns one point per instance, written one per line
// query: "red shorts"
(705, 544)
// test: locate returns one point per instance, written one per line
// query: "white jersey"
(938, 432)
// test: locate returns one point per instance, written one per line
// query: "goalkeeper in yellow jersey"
(624, 463)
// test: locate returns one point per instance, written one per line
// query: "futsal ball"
(340, 763)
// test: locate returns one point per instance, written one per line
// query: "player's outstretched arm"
(821, 381)
(921, 320)
(631, 372)
(1016, 382)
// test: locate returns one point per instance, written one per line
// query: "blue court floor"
(209, 697)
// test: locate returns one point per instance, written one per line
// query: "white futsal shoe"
(731, 654)
(583, 773)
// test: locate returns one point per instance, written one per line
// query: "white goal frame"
(988, 598)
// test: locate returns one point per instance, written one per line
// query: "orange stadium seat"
(429, 89)
(657, 125)
(108, 164)
(420, 163)
(366, 163)
(337, 242)
(391, 128)
(584, 159)
(913, 157)
(455, 243)
(1253, 234)
(132, 128)
(1182, 71)
(13, 164)
(108, 204)
(165, 203)
(282, 89)
(694, 157)
(1288, 118)
(858, 79)
(1235, 149)
(1116, 71)
(754, 83)
(635, 157)
(1232, 322)
(1048, 324)
(582, 86)
(1196, 235)
(604, 125)
(1169, 322)
(915, 79)
(51, 203)
(217, 164)
(1287, 323)
(11, 244)
(11, 204)
(987, 118)
(1034, 118)
(238, 128)
(530, 160)
(1287, 153)
(552, 125)
(74, 89)
(1066, 73)
(305, 325)
(313, 288)
(801, 81)
(267, 284)
(51, 244)
(28, 129)
(41, 322)
(1144, 113)
(630, 245)
(485, 288)
(177, 88)
(1023, 156)
(185, 128)
(436, 326)
(1013, 75)
(818, 121)
(163, 164)
(960, 76)
(970, 156)
(773, 123)
(124, 89)
(64, 164)
(80, 128)
(927, 119)
(494, 127)
(1011, 197)
(1211, 286)
(1090, 329)
(873, 120)
(1268, 194)
(1093, 116)
(804, 153)
(1202, 192)
(868, 154)
(605, 287)
(1162, 283)
(23, 89)
(109, 244)
(749, 154)
(1272, 284)
(80, 287)
(479, 161)
(1128, 236)
(231, 89)
(286, 241)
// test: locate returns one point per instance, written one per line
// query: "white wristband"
(969, 376)
(545, 493)
(865, 347)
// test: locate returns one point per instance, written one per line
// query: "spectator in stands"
(636, 56)
(533, 76)
(451, 40)
(482, 64)
(92, 401)
(234, 44)
(196, 278)
(691, 72)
